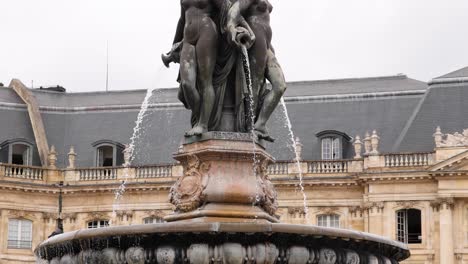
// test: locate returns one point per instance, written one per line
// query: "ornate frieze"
(124, 215)
(266, 253)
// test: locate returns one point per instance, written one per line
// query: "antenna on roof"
(107, 66)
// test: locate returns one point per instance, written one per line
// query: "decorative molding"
(451, 140)
(155, 214)
(20, 214)
(269, 198)
(371, 206)
(328, 210)
(98, 216)
(71, 217)
(297, 212)
(407, 204)
(443, 203)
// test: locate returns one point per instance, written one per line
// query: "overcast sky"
(64, 41)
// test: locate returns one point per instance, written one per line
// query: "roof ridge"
(384, 77)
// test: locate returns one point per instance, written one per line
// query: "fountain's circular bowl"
(187, 242)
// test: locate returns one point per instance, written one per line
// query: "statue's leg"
(275, 75)
(188, 79)
(206, 50)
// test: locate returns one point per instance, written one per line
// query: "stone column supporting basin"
(229, 243)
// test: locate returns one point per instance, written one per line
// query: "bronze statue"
(206, 45)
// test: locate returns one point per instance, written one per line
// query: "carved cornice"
(446, 203)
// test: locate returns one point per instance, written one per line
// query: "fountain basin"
(216, 242)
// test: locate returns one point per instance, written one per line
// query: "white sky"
(64, 41)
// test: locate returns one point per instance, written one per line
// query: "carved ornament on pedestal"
(187, 193)
(269, 201)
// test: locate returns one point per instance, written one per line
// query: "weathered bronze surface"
(208, 42)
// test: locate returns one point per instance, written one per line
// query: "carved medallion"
(187, 193)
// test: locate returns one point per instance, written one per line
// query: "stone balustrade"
(98, 174)
(328, 166)
(154, 171)
(23, 172)
(279, 168)
(408, 159)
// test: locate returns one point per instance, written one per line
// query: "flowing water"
(130, 149)
(297, 158)
(248, 79)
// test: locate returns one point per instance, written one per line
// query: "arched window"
(328, 220)
(98, 224)
(334, 144)
(19, 234)
(108, 153)
(153, 220)
(17, 151)
(409, 226)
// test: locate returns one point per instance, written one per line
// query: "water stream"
(297, 159)
(248, 79)
(130, 150)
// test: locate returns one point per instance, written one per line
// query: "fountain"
(225, 203)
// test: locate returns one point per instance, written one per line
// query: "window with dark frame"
(409, 230)
(108, 154)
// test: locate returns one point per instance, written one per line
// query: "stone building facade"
(386, 155)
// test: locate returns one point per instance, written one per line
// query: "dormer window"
(331, 148)
(18, 151)
(334, 144)
(108, 154)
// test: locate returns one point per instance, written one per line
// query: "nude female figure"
(198, 35)
(263, 61)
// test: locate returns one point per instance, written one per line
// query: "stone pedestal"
(225, 179)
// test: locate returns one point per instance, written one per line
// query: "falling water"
(297, 158)
(130, 150)
(248, 78)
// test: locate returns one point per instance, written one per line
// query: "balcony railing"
(24, 172)
(408, 159)
(328, 166)
(156, 171)
(98, 174)
(278, 168)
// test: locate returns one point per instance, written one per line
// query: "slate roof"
(463, 72)
(401, 109)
